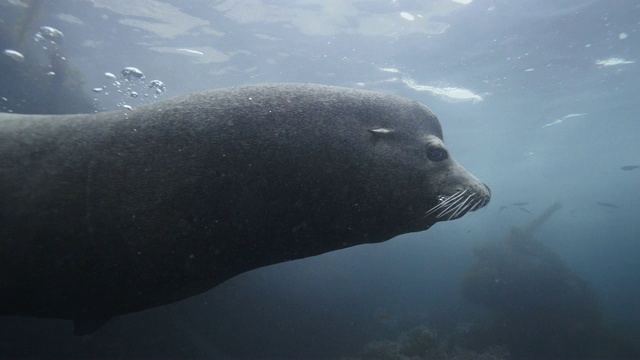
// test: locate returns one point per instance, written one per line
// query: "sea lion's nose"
(488, 188)
(488, 194)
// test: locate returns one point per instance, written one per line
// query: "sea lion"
(111, 213)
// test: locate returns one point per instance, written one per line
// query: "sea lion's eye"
(437, 154)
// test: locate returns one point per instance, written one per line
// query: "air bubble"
(15, 55)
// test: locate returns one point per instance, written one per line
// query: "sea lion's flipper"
(87, 325)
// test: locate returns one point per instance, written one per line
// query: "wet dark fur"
(111, 213)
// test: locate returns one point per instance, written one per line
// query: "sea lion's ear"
(381, 131)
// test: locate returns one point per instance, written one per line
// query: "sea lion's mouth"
(456, 205)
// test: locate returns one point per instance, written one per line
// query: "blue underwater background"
(538, 98)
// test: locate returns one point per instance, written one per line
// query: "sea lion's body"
(111, 213)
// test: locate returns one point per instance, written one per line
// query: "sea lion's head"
(414, 141)
(458, 191)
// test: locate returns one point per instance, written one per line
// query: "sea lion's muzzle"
(468, 195)
(456, 205)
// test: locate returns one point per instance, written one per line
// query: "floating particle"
(97, 89)
(189, 51)
(14, 55)
(389, 70)
(133, 94)
(623, 36)
(407, 16)
(131, 73)
(613, 62)
(109, 75)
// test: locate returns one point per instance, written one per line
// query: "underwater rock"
(539, 307)
(423, 343)
(417, 343)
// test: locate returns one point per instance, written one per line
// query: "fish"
(630, 167)
(607, 204)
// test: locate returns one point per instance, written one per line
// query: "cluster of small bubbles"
(4, 103)
(131, 86)
(51, 34)
(132, 73)
(157, 85)
(51, 37)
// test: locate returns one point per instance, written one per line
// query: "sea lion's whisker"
(451, 208)
(462, 209)
(461, 205)
(445, 202)
(455, 209)
(477, 204)
(448, 209)
(457, 205)
(464, 206)
(453, 214)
